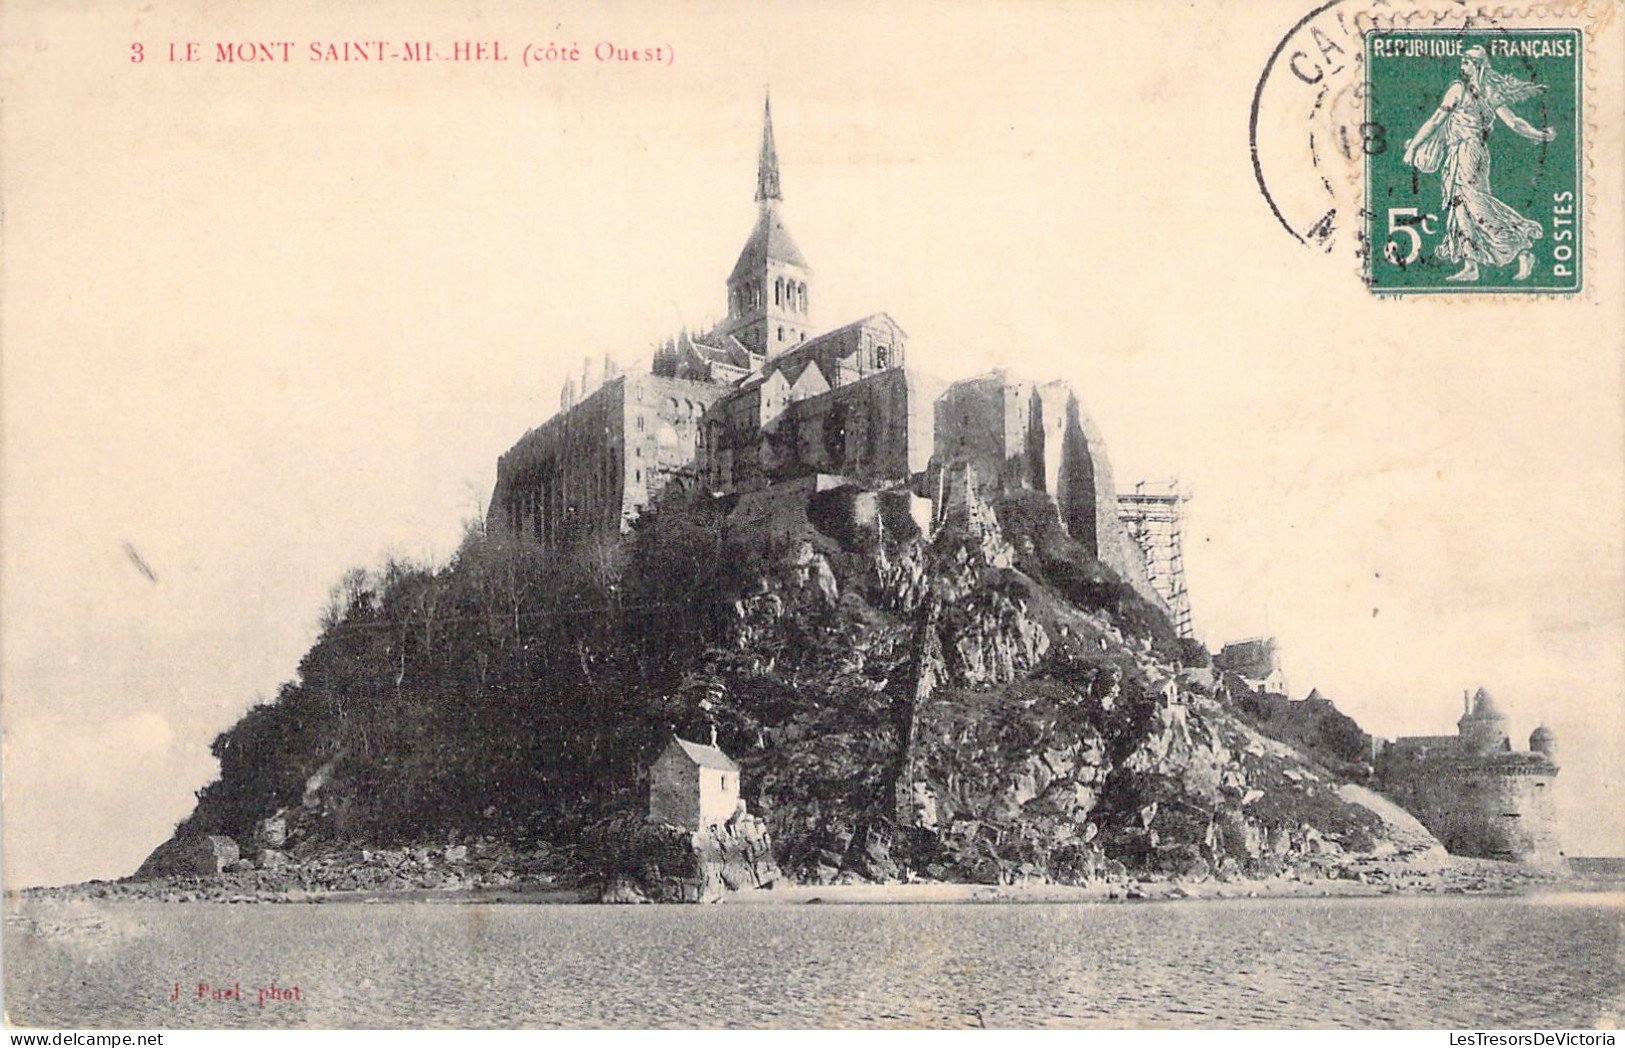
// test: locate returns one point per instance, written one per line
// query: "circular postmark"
(1304, 127)
(1320, 122)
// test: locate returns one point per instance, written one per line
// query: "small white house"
(692, 785)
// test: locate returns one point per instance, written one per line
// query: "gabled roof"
(729, 351)
(811, 381)
(792, 360)
(872, 320)
(789, 371)
(704, 756)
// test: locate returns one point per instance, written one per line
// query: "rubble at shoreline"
(496, 872)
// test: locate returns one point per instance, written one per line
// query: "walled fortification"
(1474, 792)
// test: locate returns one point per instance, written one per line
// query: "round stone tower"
(1543, 741)
(1484, 728)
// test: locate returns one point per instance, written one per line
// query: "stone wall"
(1256, 660)
(971, 427)
(779, 513)
(1019, 435)
(587, 471)
(674, 791)
(662, 435)
(564, 481)
(1495, 808)
(868, 430)
(874, 431)
(1087, 495)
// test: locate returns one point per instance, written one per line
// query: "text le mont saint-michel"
(381, 52)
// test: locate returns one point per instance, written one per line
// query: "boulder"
(272, 832)
(870, 857)
(623, 893)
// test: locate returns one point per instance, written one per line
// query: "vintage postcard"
(761, 515)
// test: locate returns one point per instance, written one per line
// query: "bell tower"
(769, 290)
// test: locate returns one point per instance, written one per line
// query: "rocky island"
(915, 621)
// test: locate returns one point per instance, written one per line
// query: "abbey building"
(767, 401)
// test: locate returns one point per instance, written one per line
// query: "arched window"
(803, 298)
(781, 333)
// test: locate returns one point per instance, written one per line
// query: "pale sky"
(265, 323)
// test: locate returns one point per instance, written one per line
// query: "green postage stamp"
(1472, 171)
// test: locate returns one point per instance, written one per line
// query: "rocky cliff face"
(958, 717)
(639, 862)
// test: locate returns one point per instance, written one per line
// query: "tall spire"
(769, 307)
(767, 166)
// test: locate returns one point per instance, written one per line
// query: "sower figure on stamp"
(1479, 229)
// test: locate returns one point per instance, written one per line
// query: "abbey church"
(766, 405)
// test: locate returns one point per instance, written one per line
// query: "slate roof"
(705, 756)
(769, 240)
(732, 352)
(795, 356)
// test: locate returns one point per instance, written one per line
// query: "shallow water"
(1456, 962)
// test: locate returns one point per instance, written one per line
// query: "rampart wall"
(1494, 808)
(874, 431)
